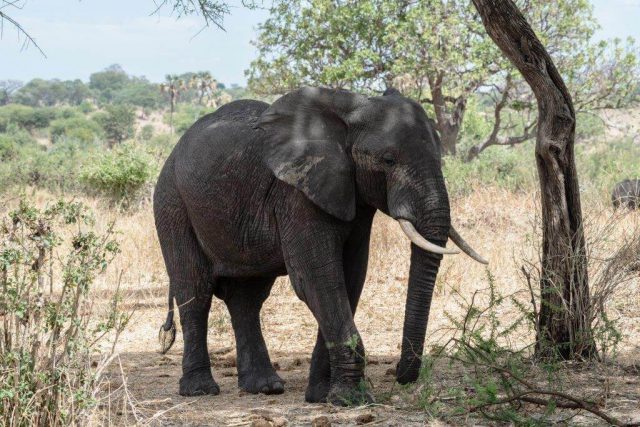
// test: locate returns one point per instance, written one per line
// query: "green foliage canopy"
(118, 122)
(437, 52)
(77, 128)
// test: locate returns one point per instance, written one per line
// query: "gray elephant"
(256, 191)
(626, 194)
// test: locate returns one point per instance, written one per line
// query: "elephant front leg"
(355, 260)
(314, 262)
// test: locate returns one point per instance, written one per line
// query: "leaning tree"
(564, 323)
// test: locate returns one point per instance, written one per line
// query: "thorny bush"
(54, 345)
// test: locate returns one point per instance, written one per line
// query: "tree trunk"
(564, 327)
(448, 124)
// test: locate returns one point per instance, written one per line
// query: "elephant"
(626, 194)
(255, 191)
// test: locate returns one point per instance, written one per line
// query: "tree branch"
(573, 403)
(16, 24)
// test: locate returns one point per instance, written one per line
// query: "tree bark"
(564, 324)
(448, 125)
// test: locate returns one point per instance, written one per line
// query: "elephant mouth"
(420, 241)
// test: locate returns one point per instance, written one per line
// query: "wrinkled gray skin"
(253, 192)
(626, 194)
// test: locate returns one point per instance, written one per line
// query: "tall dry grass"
(500, 224)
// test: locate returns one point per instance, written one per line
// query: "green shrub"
(8, 148)
(510, 168)
(60, 167)
(120, 173)
(20, 136)
(118, 122)
(55, 169)
(67, 112)
(589, 125)
(25, 117)
(146, 133)
(87, 107)
(12, 142)
(476, 126)
(160, 146)
(600, 166)
(77, 127)
(51, 331)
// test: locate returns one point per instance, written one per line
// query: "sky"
(81, 37)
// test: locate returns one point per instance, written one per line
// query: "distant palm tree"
(172, 86)
(206, 87)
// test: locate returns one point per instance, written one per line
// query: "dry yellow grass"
(499, 224)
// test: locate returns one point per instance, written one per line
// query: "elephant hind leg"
(190, 284)
(244, 299)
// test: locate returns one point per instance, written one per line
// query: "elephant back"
(243, 111)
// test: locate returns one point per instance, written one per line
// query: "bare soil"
(499, 225)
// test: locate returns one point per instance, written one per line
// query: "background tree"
(437, 52)
(205, 86)
(107, 82)
(118, 122)
(49, 93)
(172, 86)
(7, 89)
(139, 92)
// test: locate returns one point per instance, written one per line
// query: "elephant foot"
(317, 392)
(198, 383)
(408, 371)
(350, 395)
(255, 382)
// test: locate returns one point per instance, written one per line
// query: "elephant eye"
(388, 159)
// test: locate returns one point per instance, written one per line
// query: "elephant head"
(342, 149)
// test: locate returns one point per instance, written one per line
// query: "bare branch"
(29, 40)
(212, 11)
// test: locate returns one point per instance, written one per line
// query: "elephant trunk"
(422, 278)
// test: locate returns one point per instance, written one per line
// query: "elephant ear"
(306, 146)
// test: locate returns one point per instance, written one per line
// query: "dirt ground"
(496, 222)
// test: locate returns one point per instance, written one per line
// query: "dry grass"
(496, 222)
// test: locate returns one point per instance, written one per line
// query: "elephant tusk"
(459, 241)
(421, 242)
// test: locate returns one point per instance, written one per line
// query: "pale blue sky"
(80, 37)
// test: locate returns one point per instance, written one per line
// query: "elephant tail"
(167, 334)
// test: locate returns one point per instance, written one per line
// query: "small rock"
(364, 419)
(294, 364)
(228, 361)
(223, 350)
(279, 422)
(276, 366)
(321, 421)
(261, 422)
